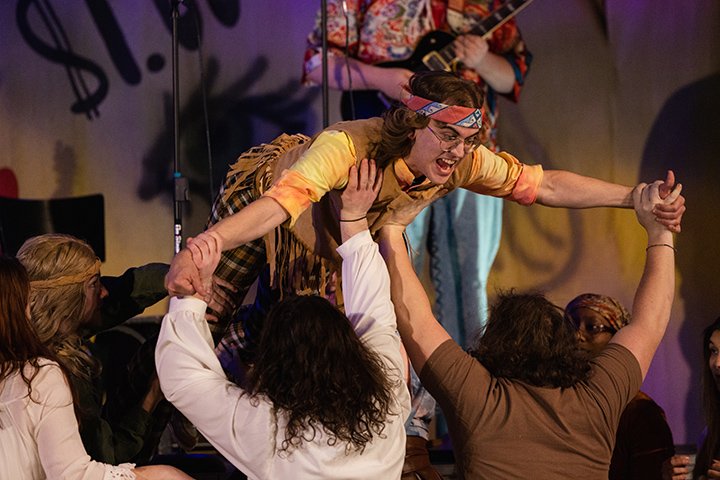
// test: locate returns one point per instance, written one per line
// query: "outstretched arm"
(250, 223)
(560, 188)
(654, 295)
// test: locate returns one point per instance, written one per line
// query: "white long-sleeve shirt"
(245, 433)
(39, 436)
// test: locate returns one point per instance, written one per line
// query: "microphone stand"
(180, 183)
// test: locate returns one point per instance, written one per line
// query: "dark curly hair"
(527, 338)
(399, 122)
(313, 368)
(711, 407)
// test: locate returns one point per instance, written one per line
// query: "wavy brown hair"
(57, 312)
(315, 370)
(399, 122)
(711, 407)
(19, 343)
(528, 338)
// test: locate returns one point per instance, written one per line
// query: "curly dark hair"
(399, 122)
(313, 368)
(711, 407)
(528, 338)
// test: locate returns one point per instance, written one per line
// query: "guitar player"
(392, 31)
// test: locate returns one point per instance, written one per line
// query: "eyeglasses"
(450, 141)
(597, 329)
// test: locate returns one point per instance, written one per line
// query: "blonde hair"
(57, 304)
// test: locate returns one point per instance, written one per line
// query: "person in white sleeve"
(327, 395)
(39, 434)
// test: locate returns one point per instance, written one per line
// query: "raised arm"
(366, 284)
(654, 295)
(365, 281)
(190, 373)
(420, 331)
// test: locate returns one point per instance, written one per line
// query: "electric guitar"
(434, 51)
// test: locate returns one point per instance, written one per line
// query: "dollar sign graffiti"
(61, 52)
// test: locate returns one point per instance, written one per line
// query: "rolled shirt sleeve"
(503, 175)
(322, 168)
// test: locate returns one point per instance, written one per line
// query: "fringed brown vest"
(301, 257)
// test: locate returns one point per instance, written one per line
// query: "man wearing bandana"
(459, 235)
(280, 201)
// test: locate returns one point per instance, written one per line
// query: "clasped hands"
(669, 205)
(191, 270)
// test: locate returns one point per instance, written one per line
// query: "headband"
(451, 114)
(64, 280)
(607, 307)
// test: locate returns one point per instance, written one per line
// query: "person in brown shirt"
(525, 401)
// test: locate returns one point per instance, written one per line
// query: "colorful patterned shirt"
(389, 30)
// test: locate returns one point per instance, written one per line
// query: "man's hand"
(647, 201)
(362, 189)
(221, 303)
(676, 468)
(670, 213)
(714, 470)
(206, 249)
(471, 50)
(183, 277)
(391, 81)
(403, 216)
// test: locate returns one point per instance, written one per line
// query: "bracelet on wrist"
(661, 245)
(354, 219)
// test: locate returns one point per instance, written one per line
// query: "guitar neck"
(498, 17)
(444, 58)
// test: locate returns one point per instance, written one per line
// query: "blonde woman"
(65, 297)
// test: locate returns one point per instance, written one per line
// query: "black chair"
(83, 217)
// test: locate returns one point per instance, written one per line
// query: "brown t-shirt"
(509, 429)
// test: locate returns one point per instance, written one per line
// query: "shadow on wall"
(236, 122)
(686, 139)
(549, 259)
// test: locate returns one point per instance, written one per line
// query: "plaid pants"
(240, 267)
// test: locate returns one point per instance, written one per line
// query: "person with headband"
(278, 206)
(68, 306)
(643, 440)
(279, 203)
(373, 47)
(39, 428)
